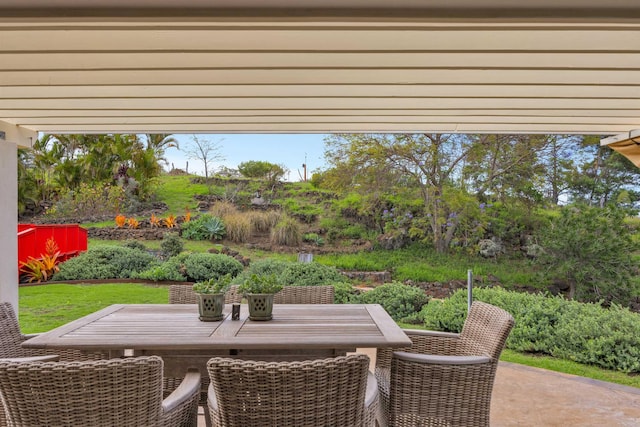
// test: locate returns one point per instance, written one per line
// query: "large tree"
(455, 174)
(603, 176)
(590, 248)
(430, 162)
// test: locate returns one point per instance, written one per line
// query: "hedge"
(586, 333)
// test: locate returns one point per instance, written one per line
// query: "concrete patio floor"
(524, 396)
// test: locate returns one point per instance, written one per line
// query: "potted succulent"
(210, 297)
(259, 290)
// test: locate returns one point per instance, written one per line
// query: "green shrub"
(262, 267)
(93, 199)
(105, 262)
(604, 337)
(268, 266)
(355, 231)
(270, 172)
(205, 227)
(344, 293)
(585, 333)
(134, 244)
(310, 274)
(399, 300)
(164, 271)
(171, 245)
(203, 266)
(286, 232)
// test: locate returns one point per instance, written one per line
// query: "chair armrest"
(189, 386)
(48, 358)
(28, 336)
(441, 360)
(426, 333)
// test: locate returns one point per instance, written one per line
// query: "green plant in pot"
(259, 290)
(210, 297)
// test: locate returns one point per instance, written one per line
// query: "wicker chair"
(11, 339)
(444, 379)
(305, 295)
(183, 294)
(103, 393)
(327, 392)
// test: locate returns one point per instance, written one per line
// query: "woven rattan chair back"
(305, 295)
(11, 339)
(445, 379)
(486, 330)
(104, 393)
(327, 392)
(10, 335)
(183, 294)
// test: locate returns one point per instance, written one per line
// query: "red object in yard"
(32, 239)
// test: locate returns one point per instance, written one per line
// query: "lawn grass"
(42, 308)
(572, 368)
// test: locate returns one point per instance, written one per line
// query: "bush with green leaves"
(260, 169)
(344, 293)
(398, 299)
(310, 274)
(205, 227)
(171, 245)
(105, 262)
(203, 266)
(582, 332)
(134, 244)
(263, 266)
(165, 271)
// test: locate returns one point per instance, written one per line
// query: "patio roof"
(261, 66)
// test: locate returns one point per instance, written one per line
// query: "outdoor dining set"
(156, 364)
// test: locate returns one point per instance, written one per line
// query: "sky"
(290, 150)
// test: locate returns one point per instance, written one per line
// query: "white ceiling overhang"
(261, 66)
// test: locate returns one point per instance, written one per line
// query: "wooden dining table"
(174, 332)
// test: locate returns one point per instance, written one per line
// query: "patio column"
(9, 223)
(11, 137)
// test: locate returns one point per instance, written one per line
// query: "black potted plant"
(259, 289)
(210, 297)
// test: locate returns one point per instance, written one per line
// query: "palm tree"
(158, 143)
